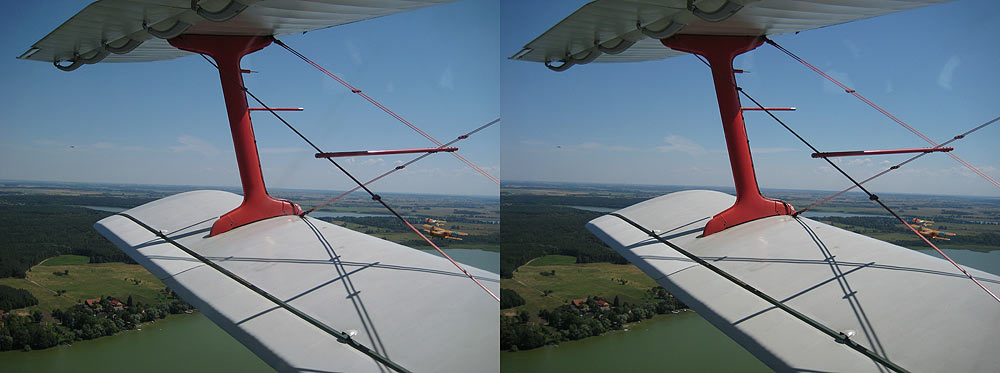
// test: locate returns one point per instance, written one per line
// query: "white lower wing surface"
(915, 310)
(413, 308)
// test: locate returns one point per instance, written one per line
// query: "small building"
(602, 305)
(579, 302)
(92, 302)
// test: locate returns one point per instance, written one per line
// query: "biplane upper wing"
(915, 310)
(605, 30)
(412, 308)
(138, 29)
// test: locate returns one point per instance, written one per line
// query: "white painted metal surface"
(413, 307)
(115, 21)
(915, 309)
(608, 21)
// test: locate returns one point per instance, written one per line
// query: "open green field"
(85, 281)
(552, 260)
(65, 260)
(574, 281)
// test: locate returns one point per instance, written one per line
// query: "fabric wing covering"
(630, 30)
(414, 308)
(106, 30)
(914, 309)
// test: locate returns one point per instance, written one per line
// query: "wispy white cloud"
(773, 150)
(596, 146)
(281, 150)
(681, 144)
(355, 54)
(447, 79)
(855, 52)
(196, 145)
(859, 162)
(948, 72)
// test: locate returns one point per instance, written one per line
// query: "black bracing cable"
(837, 336)
(341, 336)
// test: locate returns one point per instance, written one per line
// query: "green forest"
(533, 228)
(12, 298)
(35, 227)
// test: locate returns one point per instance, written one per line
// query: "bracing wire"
(880, 110)
(374, 196)
(871, 196)
(385, 109)
(400, 167)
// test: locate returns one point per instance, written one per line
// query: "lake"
(676, 342)
(189, 343)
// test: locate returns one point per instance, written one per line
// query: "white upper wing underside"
(115, 22)
(609, 22)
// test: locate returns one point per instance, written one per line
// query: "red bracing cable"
(953, 139)
(385, 109)
(876, 107)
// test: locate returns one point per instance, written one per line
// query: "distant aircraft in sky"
(435, 222)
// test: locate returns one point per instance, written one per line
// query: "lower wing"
(307, 295)
(911, 309)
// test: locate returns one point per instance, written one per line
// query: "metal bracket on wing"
(621, 46)
(74, 64)
(174, 31)
(589, 56)
(227, 12)
(623, 43)
(565, 65)
(724, 11)
(129, 45)
(667, 31)
(78, 60)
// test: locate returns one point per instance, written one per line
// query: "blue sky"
(658, 122)
(165, 122)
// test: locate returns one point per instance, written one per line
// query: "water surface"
(668, 343)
